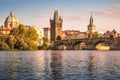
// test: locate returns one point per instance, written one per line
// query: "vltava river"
(60, 65)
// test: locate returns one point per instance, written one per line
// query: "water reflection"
(59, 65)
(10, 67)
(15, 65)
(56, 66)
(92, 66)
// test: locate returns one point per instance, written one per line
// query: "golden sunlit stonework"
(69, 39)
(10, 22)
(56, 27)
(91, 28)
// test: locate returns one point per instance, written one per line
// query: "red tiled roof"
(47, 28)
(4, 29)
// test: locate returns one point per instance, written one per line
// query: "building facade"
(56, 27)
(40, 33)
(112, 34)
(47, 33)
(4, 30)
(70, 34)
(73, 34)
(11, 21)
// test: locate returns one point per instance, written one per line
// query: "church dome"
(11, 18)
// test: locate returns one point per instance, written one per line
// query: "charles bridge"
(87, 43)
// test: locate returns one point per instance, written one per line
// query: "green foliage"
(21, 44)
(96, 35)
(3, 38)
(40, 47)
(11, 41)
(19, 32)
(31, 34)
(4, 46)
(45, 39)
(45, 43)
(25, 32)
(22, 38)
(31, 45)
(25, 37)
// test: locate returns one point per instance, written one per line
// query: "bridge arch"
(79, 45)
(61, 46)
(102, 45)
(58, 37)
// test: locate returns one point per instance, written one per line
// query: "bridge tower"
(56, 27)
(91, 28)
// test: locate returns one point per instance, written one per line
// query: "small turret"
(60, 18)
(11, 13)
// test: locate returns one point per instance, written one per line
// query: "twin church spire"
(56, 27)
(56, 17)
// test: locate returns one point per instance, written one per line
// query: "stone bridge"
(87, 43)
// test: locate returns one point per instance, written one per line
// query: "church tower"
(56, 27)
(91, 28)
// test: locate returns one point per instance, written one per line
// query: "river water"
(60, 65)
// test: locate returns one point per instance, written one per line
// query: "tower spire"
(91, 19)
(91, 27)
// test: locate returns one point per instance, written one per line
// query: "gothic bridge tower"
(56, 27)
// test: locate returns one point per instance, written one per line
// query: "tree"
(96, 35)
(11, 41)
(31, 45)
(31, 34)
(19, 32)
(21, 44)
(45, 43)
(25, 37)
(4, 46)
(14, 32)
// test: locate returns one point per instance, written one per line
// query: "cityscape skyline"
(75, 14)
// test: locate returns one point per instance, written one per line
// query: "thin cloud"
(113, 12)
(72, 18)
(116, 6)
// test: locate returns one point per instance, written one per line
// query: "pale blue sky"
(75, 13)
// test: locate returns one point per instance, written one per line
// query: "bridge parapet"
(90, 43)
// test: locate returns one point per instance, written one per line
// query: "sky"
(75, 13)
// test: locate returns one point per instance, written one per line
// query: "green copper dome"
(11, 18)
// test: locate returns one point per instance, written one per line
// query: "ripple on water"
(59, 65)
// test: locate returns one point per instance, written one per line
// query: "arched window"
(58, 38)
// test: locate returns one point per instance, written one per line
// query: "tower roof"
(91, 19)
(56, 14)
(11, 18)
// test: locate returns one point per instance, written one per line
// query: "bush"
(31, 45)
(4, 46)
